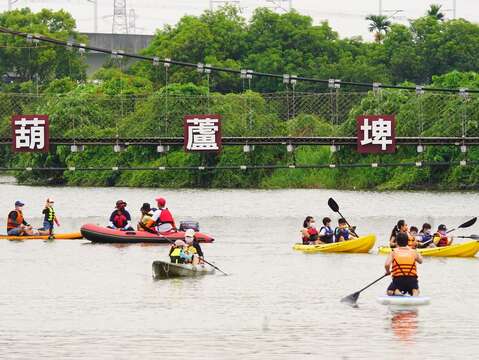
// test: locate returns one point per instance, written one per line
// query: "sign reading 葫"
(202, 133)
(376, 134)
(30, 133)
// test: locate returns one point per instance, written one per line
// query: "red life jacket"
(165, 218)
(120, 220)
(12, 224)
(443, 241)
(313, 235)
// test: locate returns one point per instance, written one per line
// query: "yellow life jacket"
(176, 252)
(404, 262)
(191, 250)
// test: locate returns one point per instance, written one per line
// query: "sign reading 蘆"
(202, 133)
(30, 133)
(376, 134)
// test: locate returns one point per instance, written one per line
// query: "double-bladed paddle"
(333, 205)
(467, 224)
(353, 298)
(473, 237)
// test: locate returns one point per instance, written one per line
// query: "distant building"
(130, 43)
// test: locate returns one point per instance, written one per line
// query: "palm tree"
(379, 24)
(435, 12)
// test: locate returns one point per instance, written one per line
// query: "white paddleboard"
(404, 300)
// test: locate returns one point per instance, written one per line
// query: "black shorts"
(405, 284)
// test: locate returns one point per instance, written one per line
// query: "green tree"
(435, 12)
(379, 25)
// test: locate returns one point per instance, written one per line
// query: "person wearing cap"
(16, 223)
(162, 218)
(145, 218)
(194, 247)
(440, 238)
(50, 217)
(120, 218)
(177, 255)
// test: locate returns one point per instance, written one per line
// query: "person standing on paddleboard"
(50, 217)
(401, 264)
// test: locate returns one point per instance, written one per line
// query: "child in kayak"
(440, 238)
(425, 237)
(401, 264)
(342, 232)
(177, 252)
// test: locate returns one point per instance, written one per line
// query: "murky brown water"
(73, 300)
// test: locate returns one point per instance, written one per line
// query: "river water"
(74, 300)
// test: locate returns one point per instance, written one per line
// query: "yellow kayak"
(360, 245)
(65, 236)
(467, 249)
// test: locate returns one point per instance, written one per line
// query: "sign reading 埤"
(376, 134)
(202, 133)
(30, 133)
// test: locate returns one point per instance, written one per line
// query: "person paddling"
(176, 252)
(342, 232)
(50, 217)
(401, 264)
(440, 237)
(194, 247)
(120, 218)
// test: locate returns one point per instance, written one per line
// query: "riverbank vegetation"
(141, 101)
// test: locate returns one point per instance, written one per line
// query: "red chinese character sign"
(376, 134)
(30, 133)
(202, 133)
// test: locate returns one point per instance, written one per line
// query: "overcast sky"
(345, 16)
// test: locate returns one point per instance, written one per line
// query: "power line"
(244, 73)
(374, 165)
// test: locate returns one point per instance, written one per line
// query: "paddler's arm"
(387, 264)
(148, 227)
(418, 258)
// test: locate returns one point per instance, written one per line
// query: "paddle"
(467, 224)
(210, 264)
(216, 267)
(333, 205)
(473, 237)
(351, 299)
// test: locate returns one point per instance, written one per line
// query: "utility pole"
(454, 8)
(120, 21)
(10, 4)
(95, 15)
(132, 21)
(380, 7)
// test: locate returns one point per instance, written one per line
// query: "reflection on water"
(404, 323)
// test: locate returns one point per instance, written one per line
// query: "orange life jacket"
(12, 224)
(404, 262)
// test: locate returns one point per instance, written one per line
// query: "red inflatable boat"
(100, 234)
